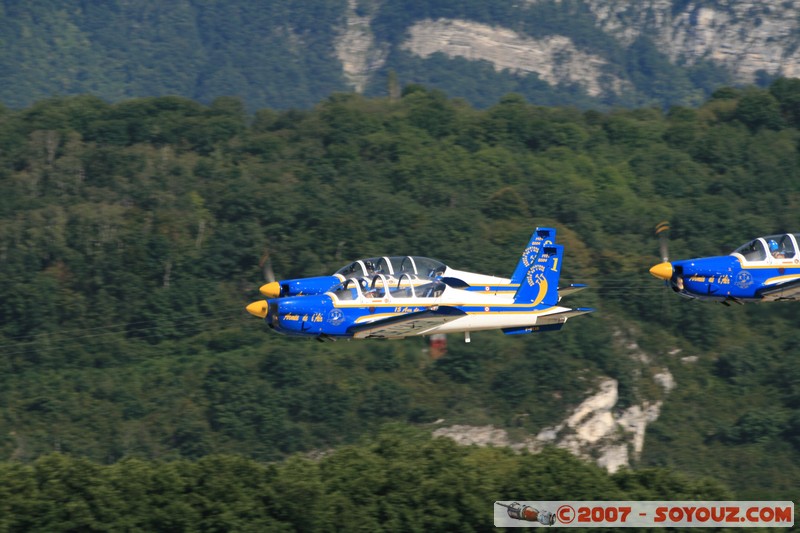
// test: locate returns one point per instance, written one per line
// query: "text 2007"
(603, 514)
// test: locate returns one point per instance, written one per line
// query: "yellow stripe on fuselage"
(781, 279)
(397, 303)
(372, 317)
(786, 263)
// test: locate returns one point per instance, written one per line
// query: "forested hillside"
(282, 55)
(401, 481)
(270, 53)
(132, 236)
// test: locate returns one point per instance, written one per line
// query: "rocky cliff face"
(555, 59)
(357, 50)
(597, 429)
(745, 37)
(594, 431)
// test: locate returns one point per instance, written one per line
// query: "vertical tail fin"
(540, 286)
(540, 237)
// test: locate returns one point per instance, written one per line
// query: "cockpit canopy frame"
(781, 246)
(379, 287)
(393, 266)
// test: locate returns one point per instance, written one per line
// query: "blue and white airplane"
(380, 308)
(417, 270)
(766, 269)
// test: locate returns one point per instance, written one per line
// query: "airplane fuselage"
(729, 277)
(382, 307)
(766, 269)
(328, 315)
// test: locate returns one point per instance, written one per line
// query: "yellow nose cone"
(662, 270)
(258, 308)
(271, 290)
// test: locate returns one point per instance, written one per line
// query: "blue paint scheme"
(418, 268)
(325, 315)
(439, 312)
(317, 285)
(541, 236)
(380, 309)
(764, 269)
(540, 285)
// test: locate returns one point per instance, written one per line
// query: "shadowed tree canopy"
(132, 235)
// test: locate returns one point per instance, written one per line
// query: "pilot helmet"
(773, 245)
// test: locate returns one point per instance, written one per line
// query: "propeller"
(662, 231)
(663, 270)
(266, 267)
(271, 289)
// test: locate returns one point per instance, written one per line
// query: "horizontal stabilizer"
(406, 325)
(570, 289)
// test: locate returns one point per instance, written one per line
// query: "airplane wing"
(789, 290)
(406, 325)
(550, 322)
(560, 318)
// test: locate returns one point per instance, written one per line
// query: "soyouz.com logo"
(520, 513)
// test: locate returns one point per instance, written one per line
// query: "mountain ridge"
(272, 55)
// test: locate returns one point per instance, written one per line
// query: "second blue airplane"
(395, 307)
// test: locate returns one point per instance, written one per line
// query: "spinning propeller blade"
(662, 231)
(271, 289)
(664, 269)
(266, 267)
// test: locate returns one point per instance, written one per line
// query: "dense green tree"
(133, 234)
(399, 479)
(759, 109)
(787, 92)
